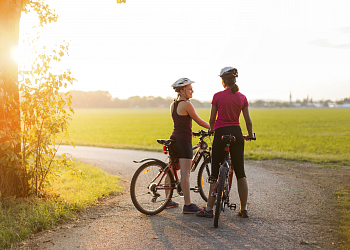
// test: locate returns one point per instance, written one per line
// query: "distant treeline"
(300, 103)
(103, 99)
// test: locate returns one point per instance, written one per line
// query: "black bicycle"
(224, 182)
(154, 182)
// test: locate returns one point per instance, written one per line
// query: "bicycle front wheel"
(220, 192)
(151, 188)
(203, 179)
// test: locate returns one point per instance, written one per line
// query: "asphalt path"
(282, 212)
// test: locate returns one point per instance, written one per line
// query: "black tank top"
(182, 124)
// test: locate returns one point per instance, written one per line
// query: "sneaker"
(205, 213)
(171, 204)
(190, 209)
(243, 213)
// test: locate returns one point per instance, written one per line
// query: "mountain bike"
(154, 182)
(224, 182)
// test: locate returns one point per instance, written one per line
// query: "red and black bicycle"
(155, 181)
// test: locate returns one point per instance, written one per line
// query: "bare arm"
(171, 108)
(248, 122)
(213, 112)
(192, 112)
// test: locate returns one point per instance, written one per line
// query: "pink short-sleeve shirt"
(229, 107)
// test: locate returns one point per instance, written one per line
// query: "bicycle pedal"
(232, 206)
(195, 189)
(179, 190)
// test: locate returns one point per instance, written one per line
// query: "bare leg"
(167, 183)
(185, 168)
(242, 186)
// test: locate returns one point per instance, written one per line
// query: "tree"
(12, 176)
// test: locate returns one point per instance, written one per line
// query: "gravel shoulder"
(291, 206)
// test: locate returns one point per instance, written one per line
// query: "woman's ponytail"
(230, 82)
(235, 88)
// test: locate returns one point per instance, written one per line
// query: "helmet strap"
(183, 95)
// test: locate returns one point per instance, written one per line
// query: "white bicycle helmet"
(229, 70)
(181, 82)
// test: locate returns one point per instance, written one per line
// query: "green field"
(315, 135)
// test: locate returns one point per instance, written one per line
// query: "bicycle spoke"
(151, 188)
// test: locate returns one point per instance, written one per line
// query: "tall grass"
(71, 192)
(343, 196)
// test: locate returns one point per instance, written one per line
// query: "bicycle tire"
(147, 198)
(220, 191)
(203, 176)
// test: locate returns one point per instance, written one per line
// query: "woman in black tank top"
(182, 113)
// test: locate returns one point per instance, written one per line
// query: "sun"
(22, 57)
(15, 54)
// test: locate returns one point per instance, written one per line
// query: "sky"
(141, 47)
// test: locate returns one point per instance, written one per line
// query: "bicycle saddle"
(228, 137)
(165, 142)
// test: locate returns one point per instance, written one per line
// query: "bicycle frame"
(229, 178)
(201, 153)
(224, 182)
(173, 164)
(152, 185)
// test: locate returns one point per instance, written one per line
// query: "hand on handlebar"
(249, 138)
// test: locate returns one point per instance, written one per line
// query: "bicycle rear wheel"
(149, 194)
(220, 192)
(203, 179)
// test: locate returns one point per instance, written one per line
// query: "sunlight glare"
(22, 57)
(15, 54)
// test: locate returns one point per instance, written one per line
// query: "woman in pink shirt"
(226, 108)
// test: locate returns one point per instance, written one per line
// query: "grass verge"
(344, 205)
(72, 191)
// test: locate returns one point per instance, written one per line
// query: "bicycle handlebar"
(202, 133)
(233, 138)
(253, 138)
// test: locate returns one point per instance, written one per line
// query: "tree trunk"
(11, 174)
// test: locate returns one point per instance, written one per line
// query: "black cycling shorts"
(236, 151)
(183, 148)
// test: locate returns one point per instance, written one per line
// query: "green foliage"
(45, 112)
(12, 181)
(9, 134)
(19, 218)
(28, 128)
